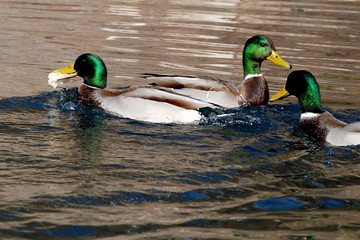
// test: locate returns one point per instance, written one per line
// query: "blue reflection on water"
(294, 203)
(71, 231)
(280, 203)
(271, 143)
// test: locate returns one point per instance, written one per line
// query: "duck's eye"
(262, 44)
(84, 61)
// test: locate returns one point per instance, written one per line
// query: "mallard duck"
(314, 120)
(253, 90)
(144, 103)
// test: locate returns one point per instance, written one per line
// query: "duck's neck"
(251, 66)
(97, 81)
(312, 109)
(86, 93)
(311, 102)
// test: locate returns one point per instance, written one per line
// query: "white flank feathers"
(344, 136)
(148, 110)
(134, 105)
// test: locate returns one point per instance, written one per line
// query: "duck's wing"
(178, 81)
(216, 91)
(339, 132)
(329, 121)
(159, 94)
(353, 127)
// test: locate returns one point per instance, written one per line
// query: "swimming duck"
(314, 120)
(144, 103)
(253, 90)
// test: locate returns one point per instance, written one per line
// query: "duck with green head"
(144, 103)
(253, 90)
(314, 120)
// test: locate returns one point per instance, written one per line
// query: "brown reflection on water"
(202, 38)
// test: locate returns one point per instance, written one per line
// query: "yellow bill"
(280, 95)
(275, 58)
(61, 76)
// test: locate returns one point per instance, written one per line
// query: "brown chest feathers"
(255, 90)
(87, 95)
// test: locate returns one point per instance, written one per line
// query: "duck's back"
(221, 93)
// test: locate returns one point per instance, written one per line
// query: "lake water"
(70, 171)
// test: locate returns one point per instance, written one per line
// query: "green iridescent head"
(304, 86)
(88, 66)
(92, 69)
(256, 50)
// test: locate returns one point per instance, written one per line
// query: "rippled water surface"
(71, 171)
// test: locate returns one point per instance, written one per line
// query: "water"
(71, 171)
